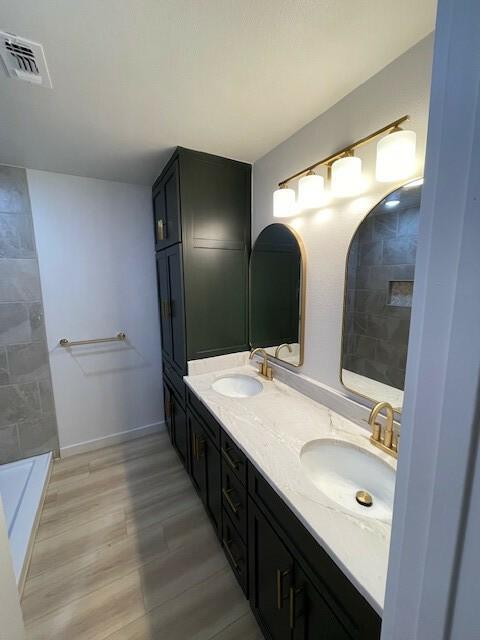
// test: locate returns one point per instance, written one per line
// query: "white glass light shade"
(311, 191)
(347, 176)
(284, 203)
(396, 156)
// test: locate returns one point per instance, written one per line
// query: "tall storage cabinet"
(202, 209)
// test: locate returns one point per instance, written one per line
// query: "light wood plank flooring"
(124, 551)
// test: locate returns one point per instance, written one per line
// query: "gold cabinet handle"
(229, 460)
(200, 447)
(293, 593)
(160, 229)
(194, 445)
(231, 504)
(226, 544)
(280, 575)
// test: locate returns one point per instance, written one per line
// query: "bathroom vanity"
(300, 497)
(311, 565)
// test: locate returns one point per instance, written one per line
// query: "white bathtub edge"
(21, 578)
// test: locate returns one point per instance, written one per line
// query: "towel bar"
(65, 342)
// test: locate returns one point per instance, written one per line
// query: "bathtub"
(22, 487)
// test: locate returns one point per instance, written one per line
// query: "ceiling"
(134, 78)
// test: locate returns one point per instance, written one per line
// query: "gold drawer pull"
(280, 575)
(231, 504)
(226, 544)
(293, 593)
(160, 230)
(231, 462)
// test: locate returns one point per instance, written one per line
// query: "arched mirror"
(378, 297)
(277, 294)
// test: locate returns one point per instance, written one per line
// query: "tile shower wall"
(28, 424)
(383, 251)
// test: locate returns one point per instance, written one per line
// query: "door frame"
(439, 441)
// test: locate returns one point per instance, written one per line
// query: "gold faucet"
(280, 346)
(264, 370)
(387, 442)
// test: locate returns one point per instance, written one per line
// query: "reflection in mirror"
(277, 294)
(378, 297)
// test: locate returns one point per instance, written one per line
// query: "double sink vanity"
(279, 474)
(299, 495)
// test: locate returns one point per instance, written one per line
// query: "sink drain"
(364, 498)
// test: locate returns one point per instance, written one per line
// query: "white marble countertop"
(271, 428)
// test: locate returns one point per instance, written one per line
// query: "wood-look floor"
(124, 551)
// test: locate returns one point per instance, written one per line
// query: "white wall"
(97, 266)
(400, 88)
(11, 621)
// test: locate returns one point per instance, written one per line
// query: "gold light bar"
(346, 150)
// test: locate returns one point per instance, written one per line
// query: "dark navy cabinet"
(296, 590)
(202, 207)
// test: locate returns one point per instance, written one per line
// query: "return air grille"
(24, 59)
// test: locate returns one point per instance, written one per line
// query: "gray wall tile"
(37, 323)
(13, 190)
(9, 444)
(27, 409)
(401, 250)
(19, 402)
(38, 435)
(28, 362)
(19, 280)
(16, 236)
(46, 396)
(15, 323)
(4, 373)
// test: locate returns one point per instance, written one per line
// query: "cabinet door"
(163, 280)
(205, 469)
(180, 431)
(166, 208)
(271, 576)
(167, 406)
(175, 310)
(310, 618)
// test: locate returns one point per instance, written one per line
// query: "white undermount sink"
(340, 470)
(237, 386)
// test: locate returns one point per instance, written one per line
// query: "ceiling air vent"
(24, 59)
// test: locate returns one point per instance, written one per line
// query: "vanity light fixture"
(284, 204)
(345, 169)
(347, 176)
(311, 191)
(396, 155)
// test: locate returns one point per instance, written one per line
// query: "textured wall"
(403, 87)
(27, 413)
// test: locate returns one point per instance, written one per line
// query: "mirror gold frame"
(397, 410)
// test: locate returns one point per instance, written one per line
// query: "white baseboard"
(115, 438)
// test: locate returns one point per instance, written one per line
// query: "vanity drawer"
(234, 500)
(233, 458)
(209, 422)
(236, 552)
